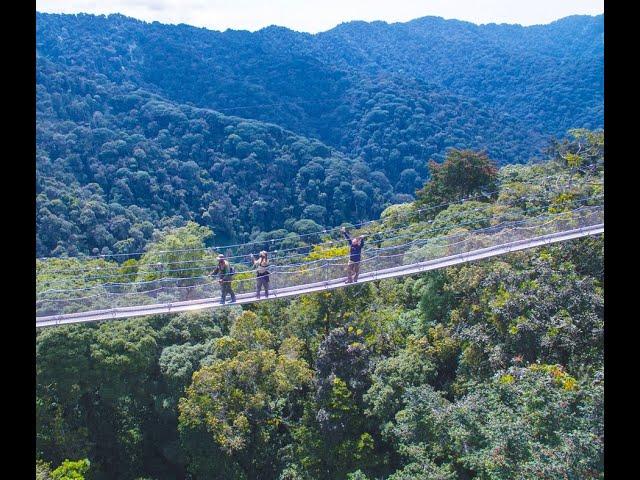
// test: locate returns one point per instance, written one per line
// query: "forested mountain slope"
(378, 100)
(549, 77)
(127, 161)
(546, 76)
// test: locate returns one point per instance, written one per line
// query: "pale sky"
(320, 15)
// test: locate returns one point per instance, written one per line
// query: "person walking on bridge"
(225, 272)
(355, 246)
(262, 273)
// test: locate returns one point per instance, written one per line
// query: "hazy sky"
(320, 15)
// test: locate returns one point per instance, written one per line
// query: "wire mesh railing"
(103, 273)
(378, 259)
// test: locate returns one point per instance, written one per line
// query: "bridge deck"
(244, 298)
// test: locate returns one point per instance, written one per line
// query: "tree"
(534, 308)
(178, 253)
(464, 173)
(241, 401)
(528, 423)
(411, 366)
(64, 379)
(342, 377)
(584, 150)
(70, 470)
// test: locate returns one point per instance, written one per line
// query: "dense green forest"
(142, 127)
(486, 370)
(153, 138)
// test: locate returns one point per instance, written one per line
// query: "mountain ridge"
(348, 22)
(387, 103)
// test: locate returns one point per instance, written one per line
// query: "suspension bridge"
(186, 284)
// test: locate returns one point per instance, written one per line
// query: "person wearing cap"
(262, 273)
(355, 246)
(225, 275)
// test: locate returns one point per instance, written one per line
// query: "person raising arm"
(355, 255)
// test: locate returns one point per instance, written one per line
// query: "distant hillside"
(124, 112)
(548, 78)
(126, 162)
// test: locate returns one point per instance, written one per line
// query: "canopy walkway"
(407, 253)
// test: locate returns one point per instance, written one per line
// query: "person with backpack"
(225, 273)
(355, 248)
(262, 273)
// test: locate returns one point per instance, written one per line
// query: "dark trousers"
(226, 288)
(262, 281)
(353, 270)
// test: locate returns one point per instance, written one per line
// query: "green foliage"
(181, 249)
(487, 370)
(409, 366)
(70, 273)
(584, 150)
(70, 470)
(524, 427)
(532, 309)
(424, 469)
(357, 475)
(124, 349)
(319, 252)
(240, 400)
(463, 173)
(63, 375)
(396, 215)
(129, 138)
(145, 180)
(470, 215)
(196, 327)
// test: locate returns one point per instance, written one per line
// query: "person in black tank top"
(355, 255)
